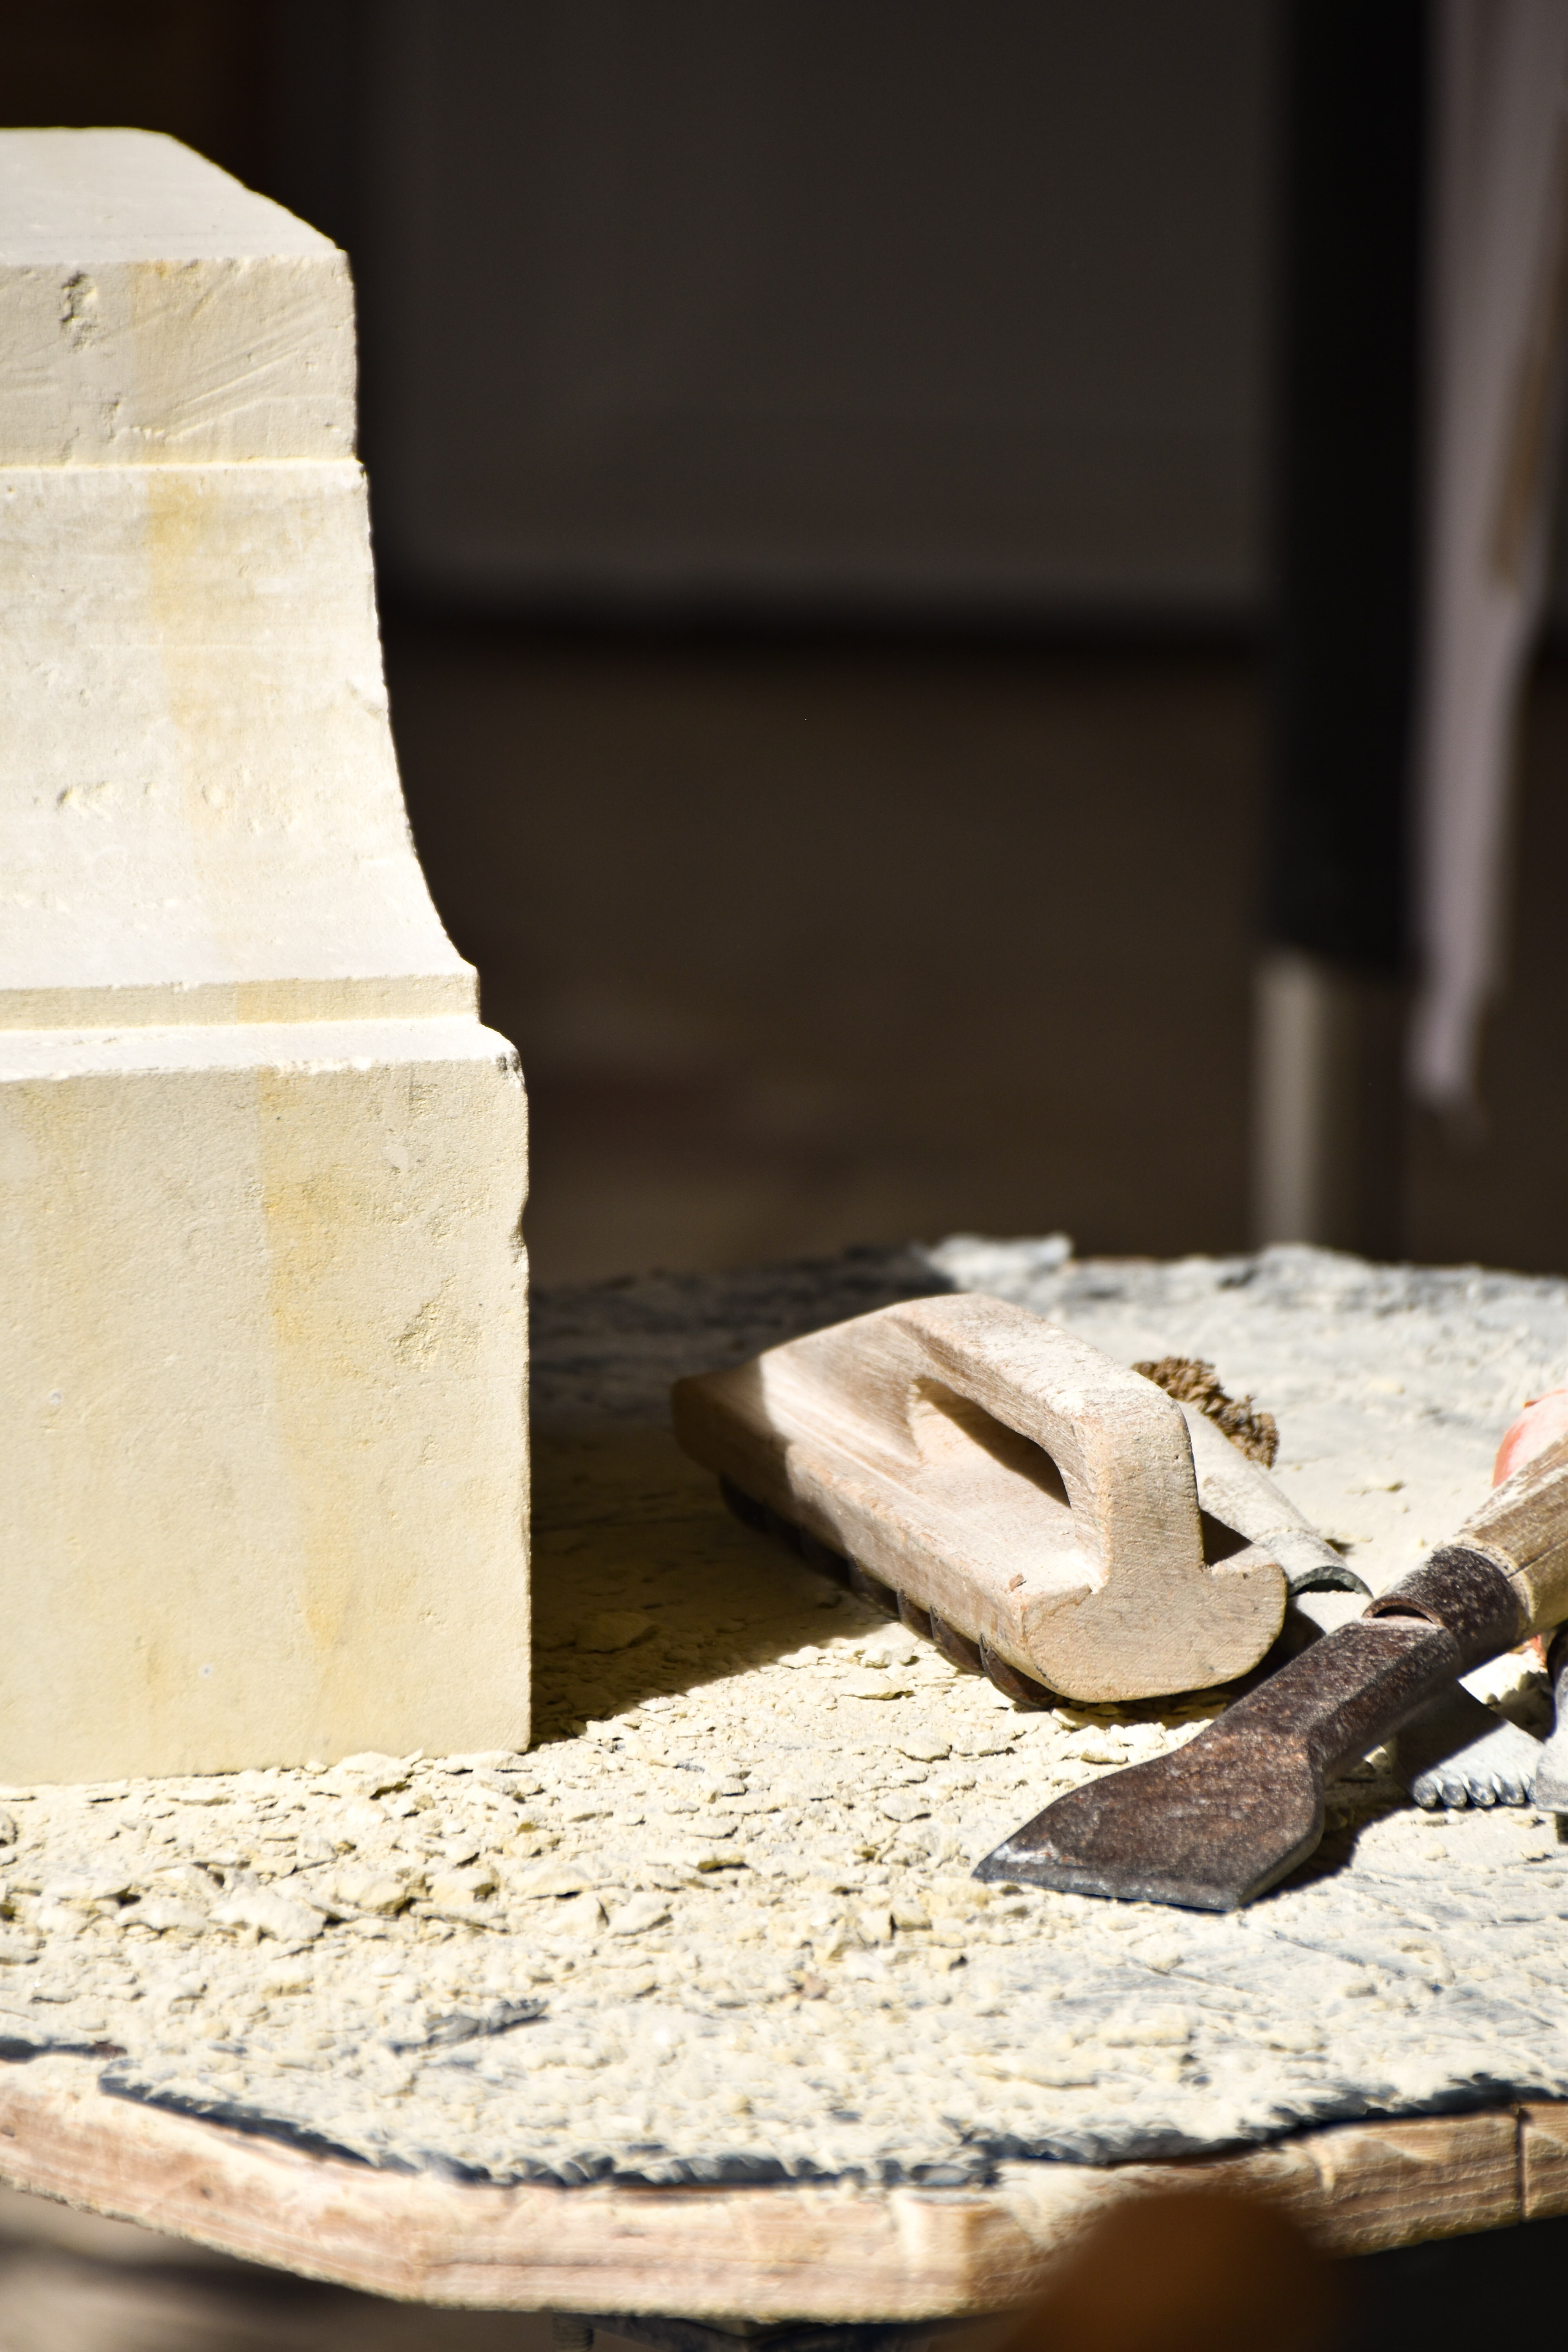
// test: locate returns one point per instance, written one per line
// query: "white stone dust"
(720, 1925)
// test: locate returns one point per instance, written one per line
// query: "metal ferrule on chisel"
(1468, 1594)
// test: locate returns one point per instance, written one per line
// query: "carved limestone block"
(262, 1339)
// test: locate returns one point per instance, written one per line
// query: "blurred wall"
(197, 69)
(821, 304)
(901, 307)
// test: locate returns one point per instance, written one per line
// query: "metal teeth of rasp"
(956, 1647)
(917, 1619)
(969, 1657)
(1019, 1687)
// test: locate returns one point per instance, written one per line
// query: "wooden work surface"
(771, 1953)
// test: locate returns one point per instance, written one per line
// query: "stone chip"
(636, 1917)
(273, 1914)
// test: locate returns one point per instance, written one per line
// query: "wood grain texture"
(1523, 1526)
(1543, 2159)
(799, 2250)
(995, 1467)
(1357, 2187)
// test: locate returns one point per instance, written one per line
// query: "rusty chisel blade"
(1219, 1821)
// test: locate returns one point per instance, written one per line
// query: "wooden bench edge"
(806, 2250)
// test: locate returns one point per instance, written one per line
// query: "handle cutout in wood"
(993, 1468)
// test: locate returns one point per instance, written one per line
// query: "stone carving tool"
(1218, 1821)
(1541, 1422)
(1552, 1773)
(1038, 1510)
(1458, 1752)
(1543, 1419)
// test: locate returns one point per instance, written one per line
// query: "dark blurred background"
(821, 457)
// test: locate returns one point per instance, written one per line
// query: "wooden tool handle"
(1523, 1526)
(1001, 1475)
(1119, 1444)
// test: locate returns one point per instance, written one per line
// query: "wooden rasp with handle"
(1218, 1821)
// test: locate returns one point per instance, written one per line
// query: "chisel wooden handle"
(1021, 1490)
(1511, 1553)
(1523, 1526)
